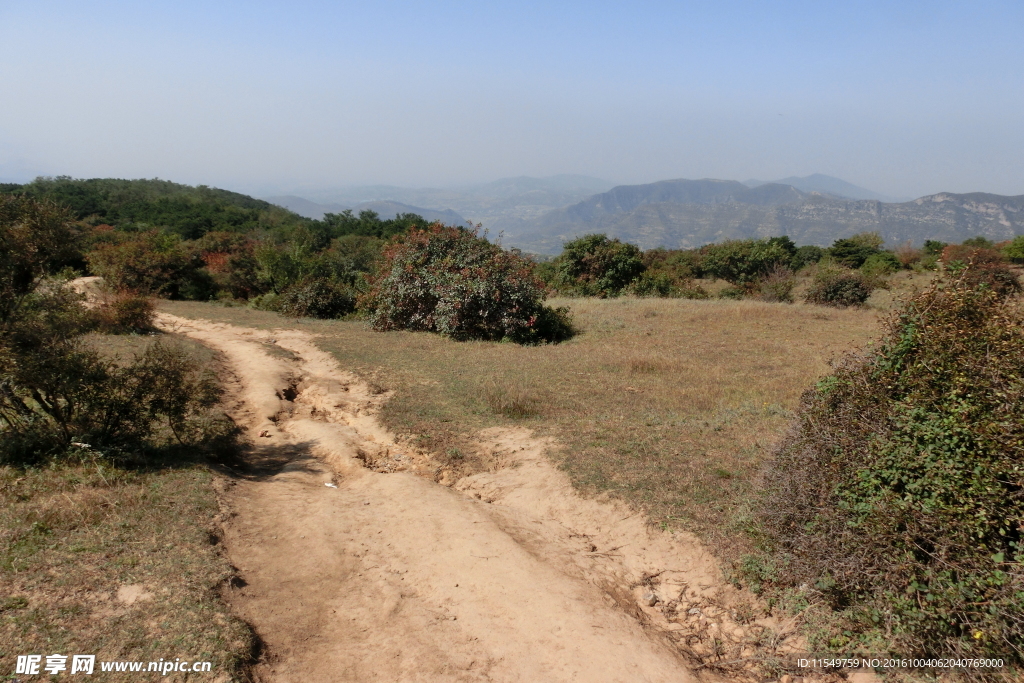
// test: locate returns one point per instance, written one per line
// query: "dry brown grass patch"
(510, 399)
(73, 537)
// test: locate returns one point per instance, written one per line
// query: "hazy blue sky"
(901, 97)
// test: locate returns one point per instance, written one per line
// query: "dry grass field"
(116, 561)
(672, 405)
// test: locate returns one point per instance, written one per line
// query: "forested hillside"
(190, 212)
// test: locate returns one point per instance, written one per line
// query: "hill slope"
(140, 204)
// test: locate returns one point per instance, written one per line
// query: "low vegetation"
(838, 287)
(117, 562)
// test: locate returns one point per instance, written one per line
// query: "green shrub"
(317, 298)
(838, 287)
(928, 262)
(690, 290)
(662, 284)
(651, 285)
(54, 391)
(981, 267)
(805, 256)
(1014, 251)
(451, 281)
(36, 239)
(594, 265)
(266, 302)
(677, 264)
(742, 263)
(979, 242)
(554, 324)
(852, 252)
(897, 495)
(881, 264)
(732, 293)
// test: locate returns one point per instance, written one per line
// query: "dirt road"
(358, 568)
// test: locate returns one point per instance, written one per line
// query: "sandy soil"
(357, 567)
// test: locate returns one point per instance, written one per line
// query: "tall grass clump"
(510, 399)
(898, 496)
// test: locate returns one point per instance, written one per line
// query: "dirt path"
(507, 575)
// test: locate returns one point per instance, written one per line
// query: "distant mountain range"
(690, 213)
(540, 214)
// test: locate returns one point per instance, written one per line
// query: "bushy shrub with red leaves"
(453, 282)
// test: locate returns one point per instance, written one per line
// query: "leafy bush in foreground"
(36, 239)
(899, 494)
(53, 390)
(450, 281)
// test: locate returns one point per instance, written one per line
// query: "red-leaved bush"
(454, 282)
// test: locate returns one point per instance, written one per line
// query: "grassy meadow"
(670, 404)
(117, 561)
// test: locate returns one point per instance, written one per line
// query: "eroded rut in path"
(385, 575)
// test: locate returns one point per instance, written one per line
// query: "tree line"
(843, 275)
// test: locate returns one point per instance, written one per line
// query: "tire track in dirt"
(507, 576)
